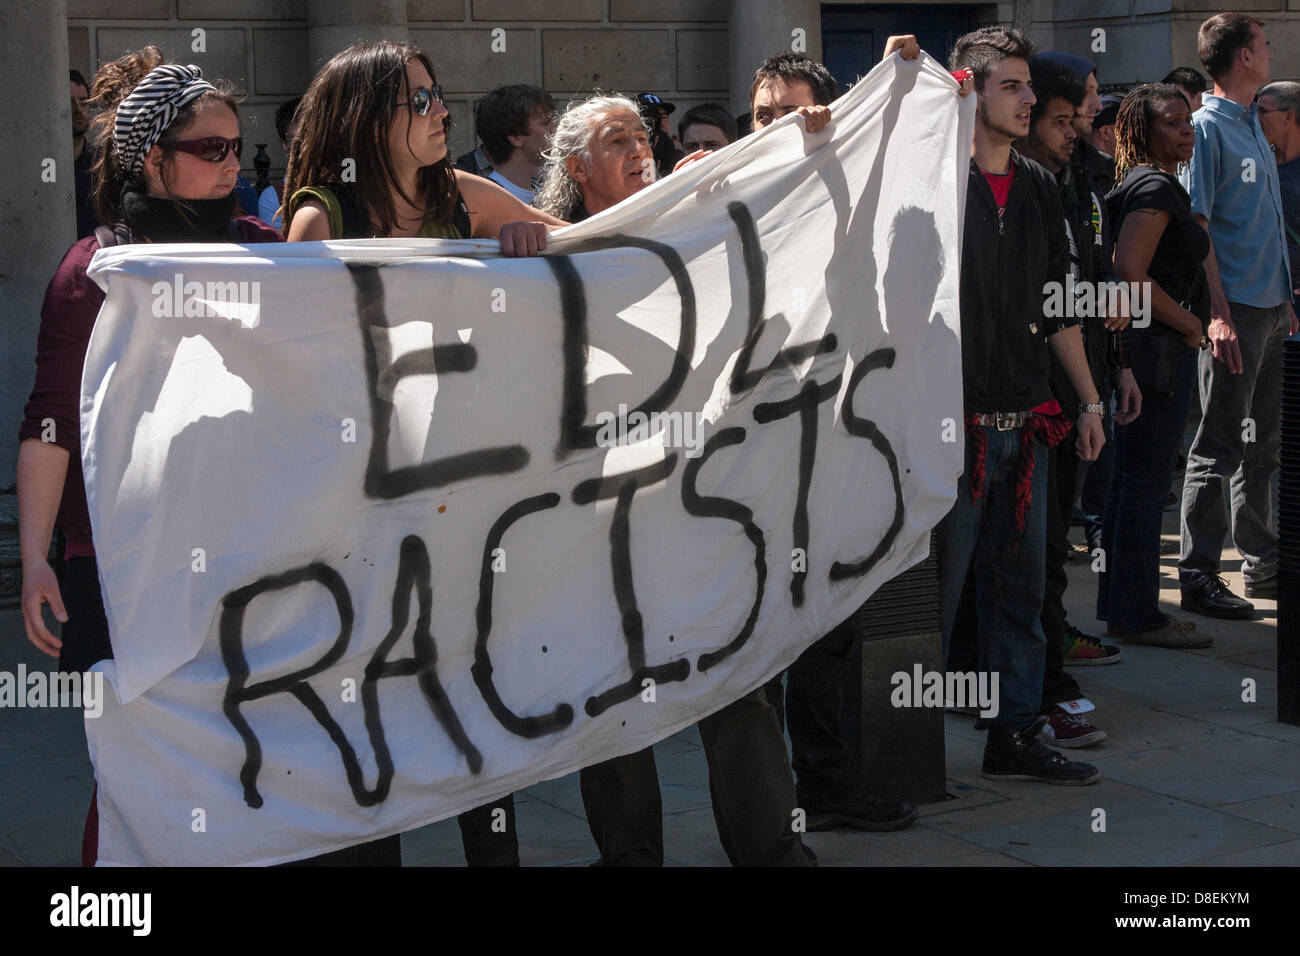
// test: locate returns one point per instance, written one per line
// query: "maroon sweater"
(71, 306)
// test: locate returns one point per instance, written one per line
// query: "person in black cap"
(667, 150)
(1102, 138)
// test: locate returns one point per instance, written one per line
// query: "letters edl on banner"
(424, 525)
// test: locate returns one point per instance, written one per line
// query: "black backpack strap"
(460, 218)
(355, 225)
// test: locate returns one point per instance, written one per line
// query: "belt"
(1003, 421)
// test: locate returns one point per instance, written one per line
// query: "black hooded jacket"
(1004, 267)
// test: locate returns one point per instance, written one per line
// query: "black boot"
(1019, 755)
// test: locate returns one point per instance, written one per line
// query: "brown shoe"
(1174, 634)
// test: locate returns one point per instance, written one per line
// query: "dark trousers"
(749, 783)
(980, 534)
(1245, 457)
(822, 709)
(1093, 477)
(1146, 449)
(1062, 468)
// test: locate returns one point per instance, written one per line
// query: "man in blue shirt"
(1233, 184)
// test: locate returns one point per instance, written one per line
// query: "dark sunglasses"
(211, 148)
(422, 100)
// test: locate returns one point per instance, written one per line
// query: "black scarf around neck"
(163, 220)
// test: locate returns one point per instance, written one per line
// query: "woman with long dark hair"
(1161, 246)
(169, 147)
(368, 159)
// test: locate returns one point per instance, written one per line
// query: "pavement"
(1191, 774)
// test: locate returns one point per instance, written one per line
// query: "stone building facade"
(688, 51)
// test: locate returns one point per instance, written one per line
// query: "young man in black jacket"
(1051, 142)
(1014, 244)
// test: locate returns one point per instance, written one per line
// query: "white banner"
(389, 529)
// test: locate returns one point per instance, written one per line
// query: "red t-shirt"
(1001, 186)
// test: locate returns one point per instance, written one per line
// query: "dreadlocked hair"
(1137, 115)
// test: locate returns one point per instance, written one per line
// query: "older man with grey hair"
(599, 155)
(1278, 105)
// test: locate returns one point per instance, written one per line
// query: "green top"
(429, 229)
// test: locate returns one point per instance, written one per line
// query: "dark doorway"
(854, 35)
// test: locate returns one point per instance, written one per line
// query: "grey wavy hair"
(561, 194)
(1286, 96)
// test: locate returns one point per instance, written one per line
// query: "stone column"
(333, 25)
(37, 205)
(760, 28)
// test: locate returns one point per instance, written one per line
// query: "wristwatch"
(1096, 408)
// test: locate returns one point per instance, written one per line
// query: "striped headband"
(150, 108)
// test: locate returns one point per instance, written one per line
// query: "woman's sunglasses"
(211, 148)
(422, 100)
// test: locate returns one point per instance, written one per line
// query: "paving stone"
(691, 839)
(45, 840)
(1276, 854)
(917, 845)
(1281, 810)
(1205, 774)
(1149, 831)
(1031, 801)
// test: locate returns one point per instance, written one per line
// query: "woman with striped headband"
(169, 155)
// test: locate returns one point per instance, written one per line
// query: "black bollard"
(1288, 533)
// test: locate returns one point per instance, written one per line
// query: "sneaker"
(1266, 589)
(1020, 755)
(1064, 729)
(1177, 633)
(858, 812)
(1214, 599)
(1083, 649)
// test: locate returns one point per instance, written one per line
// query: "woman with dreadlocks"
(1163, 247)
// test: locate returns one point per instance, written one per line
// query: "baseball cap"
(1109, 109)
(650, 99)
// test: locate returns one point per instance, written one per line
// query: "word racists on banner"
(425, 582)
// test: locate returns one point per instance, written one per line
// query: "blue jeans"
(1146, 450)
(1008, 576)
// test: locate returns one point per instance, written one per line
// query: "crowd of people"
(1061, 406)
